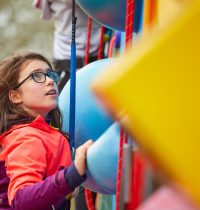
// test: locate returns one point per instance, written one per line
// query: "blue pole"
(72, 95)
(72, 80)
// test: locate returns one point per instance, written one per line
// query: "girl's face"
(36, 98)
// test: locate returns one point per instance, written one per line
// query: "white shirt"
(61, 10)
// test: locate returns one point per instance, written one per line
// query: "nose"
(49, 81)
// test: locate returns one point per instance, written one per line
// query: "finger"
(89, 142)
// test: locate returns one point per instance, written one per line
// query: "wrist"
(73, 178)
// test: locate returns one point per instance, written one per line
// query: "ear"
(15, 97)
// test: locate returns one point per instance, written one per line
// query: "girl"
(37, 172)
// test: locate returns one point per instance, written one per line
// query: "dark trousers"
(80, 202)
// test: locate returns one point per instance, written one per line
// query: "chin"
(53, 107)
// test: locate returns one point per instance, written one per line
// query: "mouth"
(52, 92)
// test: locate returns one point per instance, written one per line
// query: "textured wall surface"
(22, 28)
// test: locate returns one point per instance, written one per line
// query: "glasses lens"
(39, 77)
(53, 75)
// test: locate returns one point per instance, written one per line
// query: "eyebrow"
(40, 70)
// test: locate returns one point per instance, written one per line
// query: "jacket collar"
(39, 122)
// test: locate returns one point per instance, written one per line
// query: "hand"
(80, 157)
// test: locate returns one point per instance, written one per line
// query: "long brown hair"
(9, 74)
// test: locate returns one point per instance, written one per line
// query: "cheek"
(32, 92)
(33, 86)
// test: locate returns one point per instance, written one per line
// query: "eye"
(38, 76)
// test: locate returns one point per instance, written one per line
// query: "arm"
(26, 166)
(44, 5)
(43, 194)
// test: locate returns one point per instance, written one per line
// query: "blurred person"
(61, 11)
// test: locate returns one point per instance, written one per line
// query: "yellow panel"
(156, 88)
(160, 12)
(170, 9)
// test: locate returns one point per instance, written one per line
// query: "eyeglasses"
(40, 77)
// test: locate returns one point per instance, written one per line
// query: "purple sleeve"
(42, 195)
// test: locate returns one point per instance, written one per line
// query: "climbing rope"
(123, 137)
(88, 193)
(130, 6)
(119, 170)
(89, 199)
(100, 50)
(87, 50)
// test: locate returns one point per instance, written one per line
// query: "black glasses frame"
(50, 73)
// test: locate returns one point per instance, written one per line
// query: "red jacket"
(31, 153)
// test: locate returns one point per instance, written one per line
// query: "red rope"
(100, 50)
(129, 30)
(130, 5)
(88, 193)
(137, 184)
(89, 199)
(119, 173)
(87, 50)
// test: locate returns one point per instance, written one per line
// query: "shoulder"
(24, 140)
(36, 130)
